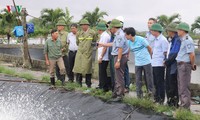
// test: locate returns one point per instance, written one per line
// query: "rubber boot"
(53, 81)
(63, 79)
(79, 79)
(88, 80)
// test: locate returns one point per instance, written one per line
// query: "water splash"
(26, 104)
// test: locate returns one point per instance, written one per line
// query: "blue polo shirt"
(139, 48)
(187, 47)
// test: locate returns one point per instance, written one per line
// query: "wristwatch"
(118, 60)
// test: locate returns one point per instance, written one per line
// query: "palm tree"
(165, 20)
(94, 16)
(50, 17)
(196, 24)
(67, 18)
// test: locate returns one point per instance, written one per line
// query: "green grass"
(144, 103)
(27, 76)
(46, 78)
(2, 69)
(182, 114)
(7, 71)
(133, 88)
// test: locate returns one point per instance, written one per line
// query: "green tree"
(94, 16)
(165, 20)
(50, 17)
(67, 17)
(196, 25)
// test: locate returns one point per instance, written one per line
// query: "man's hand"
(117, 65)
(47, 62)
(194, 67)
(100, 60)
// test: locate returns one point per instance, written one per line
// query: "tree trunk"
(26, 56)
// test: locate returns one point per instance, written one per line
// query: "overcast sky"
(135, 12)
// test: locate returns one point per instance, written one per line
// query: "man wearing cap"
(63, 37)
(120, 52)
(83, 60)
(126, 73)
(158, 57)
(186, 63)
(103, 57)
(171, 65)
(53, 56)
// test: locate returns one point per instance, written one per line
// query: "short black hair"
(53, 31)
(153, 19)
(129, 31)
(74, 25)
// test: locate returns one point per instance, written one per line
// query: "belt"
(73, 51)
(122, 55)
(181, 63)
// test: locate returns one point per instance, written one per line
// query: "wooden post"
(26, 56)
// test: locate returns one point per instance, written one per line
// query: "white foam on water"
(18, 105)
(22, 107)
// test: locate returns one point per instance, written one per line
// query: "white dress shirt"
(71, 39)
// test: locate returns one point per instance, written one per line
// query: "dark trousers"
(126, 77)
(119, 76)
(72, 55)
(171, 88)
(148, 77)
(88, 77)
(159, 83)
(66, 63)
(112, 72)
(103, 78)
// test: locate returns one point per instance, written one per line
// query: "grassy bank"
(179, 114)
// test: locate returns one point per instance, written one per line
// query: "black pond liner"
(67, 105)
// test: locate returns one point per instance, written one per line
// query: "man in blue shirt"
(140, 47)
(186, 63)
(158, 57)
(171, 65)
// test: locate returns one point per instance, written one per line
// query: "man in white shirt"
(71, 40)
(103, 56)
(158, 57)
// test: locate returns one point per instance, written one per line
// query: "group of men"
(72, 53)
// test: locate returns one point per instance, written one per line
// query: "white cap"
(120, 18)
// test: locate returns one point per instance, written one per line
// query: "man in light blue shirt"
(140, 47)
(158, 57)
(186, 63)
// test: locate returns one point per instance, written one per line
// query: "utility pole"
(27, 63)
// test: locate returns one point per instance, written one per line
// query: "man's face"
(60, 27)
(100, 31)
(170, 33)
(150, 23)
(55, 35)
(84, 27)
(128, 37)
(154, 33)
(181, 33)
(73, 30)
(112, 30)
